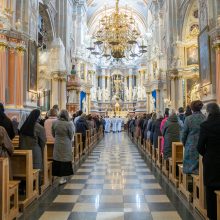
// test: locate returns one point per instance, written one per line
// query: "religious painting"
(192, 55)
(204, 57)
(32, 66)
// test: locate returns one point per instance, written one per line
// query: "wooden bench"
(15, 141)
(47, 171)
(185, 181)
(199, 191)
(165, 167)
(218, 204)
(22, 169)
(177, 158)
(9, 208)
(79, 143)
(158, 153)
(4, 190)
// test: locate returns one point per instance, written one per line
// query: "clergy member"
(119, 124)
(107, 124)
(114, 124)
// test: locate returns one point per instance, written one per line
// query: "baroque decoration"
(118, 37)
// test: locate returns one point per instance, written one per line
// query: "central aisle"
(114, 183)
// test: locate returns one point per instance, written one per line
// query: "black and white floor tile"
(114, 183)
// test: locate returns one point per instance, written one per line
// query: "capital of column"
(216, 43)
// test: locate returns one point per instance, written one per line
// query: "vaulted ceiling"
(96, 9)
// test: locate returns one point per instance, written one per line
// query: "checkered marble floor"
(114, 183)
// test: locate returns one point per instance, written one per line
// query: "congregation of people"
(198, 128)
(57, 127)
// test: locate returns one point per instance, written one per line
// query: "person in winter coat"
(171, 133)
(81, 127)
(52, 117)
(150, 127)
(156, 130)
(190, 136)
(146, 121)
(6, 148)
(6, 122)
(181, 114)
(62, 131)
(209, 148)
(166, 116)
(33, 137)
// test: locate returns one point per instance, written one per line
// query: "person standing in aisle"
(119, 124)
(62, 131)
(114, 124)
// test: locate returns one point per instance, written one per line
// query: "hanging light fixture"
(117, 37)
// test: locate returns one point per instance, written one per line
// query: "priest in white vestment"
(107, 124)
(119, 124)
(114, 124)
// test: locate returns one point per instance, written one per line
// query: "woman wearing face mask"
(33, 137)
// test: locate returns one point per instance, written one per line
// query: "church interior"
(113, 60)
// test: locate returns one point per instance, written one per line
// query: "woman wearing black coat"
(209, 148)
(156, 130)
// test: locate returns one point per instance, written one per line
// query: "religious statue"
(105, 95)
(84, 107)
(126, 94)
(139, 92)
(143, 91)
(134, 93)
(117, 107)
(194, 94)
(93, 93)
(99, 94)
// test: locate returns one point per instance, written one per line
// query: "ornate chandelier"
(117, 37)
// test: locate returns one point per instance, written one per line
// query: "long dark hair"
(28, 126)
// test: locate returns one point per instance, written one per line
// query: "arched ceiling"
(95, 9)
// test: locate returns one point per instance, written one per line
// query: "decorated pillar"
(19, 76)
(217, 49)
(173, 92)
(180, 91)
(3, 46)
(158, 100)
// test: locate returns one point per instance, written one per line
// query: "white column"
(54, 95)
(63, 94)
(173, 96)
(180, 91)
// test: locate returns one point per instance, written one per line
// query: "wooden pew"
(158, 153)
(4, 190)
(47, 171)
(78, 139)
(15, 141)
(177, 158)
(218, 204)
(87, 141)
(199, 191)
(22, 169)
(9, 208)
(76, 151)
(185, 181)
(165, 167)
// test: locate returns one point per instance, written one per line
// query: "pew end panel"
(185, 181)
(218, 204)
